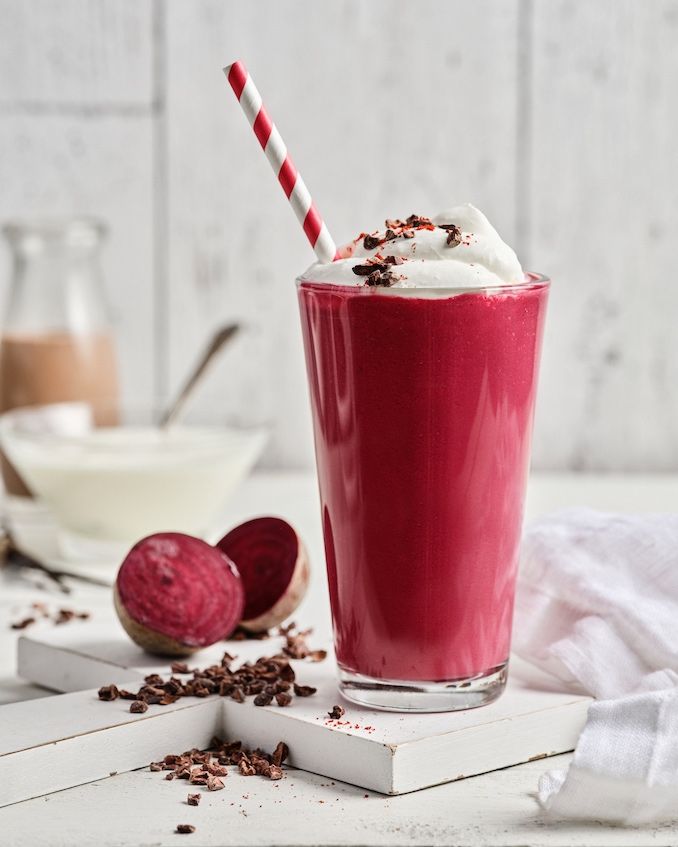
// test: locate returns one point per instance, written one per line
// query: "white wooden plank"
(303, 810)
(382, 751)
(60, 53)
(603, 217)
(99, 165)
(382, 114)
(48, 745)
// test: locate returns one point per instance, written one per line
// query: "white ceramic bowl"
(118, 484)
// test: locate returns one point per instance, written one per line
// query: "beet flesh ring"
(273, 565)
(175, 594)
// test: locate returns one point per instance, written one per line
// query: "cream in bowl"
(117, 484)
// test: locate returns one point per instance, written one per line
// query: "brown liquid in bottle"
(55, 368)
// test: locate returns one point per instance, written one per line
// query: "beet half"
(273, 565)
(175, 594)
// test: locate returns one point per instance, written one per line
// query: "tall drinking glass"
(422, 403)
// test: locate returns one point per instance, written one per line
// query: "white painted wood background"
(557, 117)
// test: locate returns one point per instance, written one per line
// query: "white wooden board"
(387, 752)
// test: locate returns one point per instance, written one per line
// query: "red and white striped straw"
(276, 153)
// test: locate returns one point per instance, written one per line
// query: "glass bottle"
(57, 341)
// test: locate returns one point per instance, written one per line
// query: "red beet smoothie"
(422, 412)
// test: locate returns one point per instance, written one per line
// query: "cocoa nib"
(185, 828)
(108, 692)
(22, 624)
(61, 616)
(268, 678)
(453, 234)
(368, 268)
(370, 242)
(209, 767)
(385, 279)
(193, 799)
(280, 754)
(304, 690)
(337, 712)
(138, 707)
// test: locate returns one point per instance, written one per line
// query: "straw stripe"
(287, 176)
(276, 152)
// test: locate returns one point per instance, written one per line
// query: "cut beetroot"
(175, 594)
(273, 566)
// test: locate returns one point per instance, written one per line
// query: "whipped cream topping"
(455, 249)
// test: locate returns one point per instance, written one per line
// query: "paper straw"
(276, 152)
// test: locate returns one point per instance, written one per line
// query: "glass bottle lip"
(34, 234)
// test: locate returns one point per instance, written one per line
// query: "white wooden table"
(141, 808)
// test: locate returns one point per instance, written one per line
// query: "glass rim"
(532, 280)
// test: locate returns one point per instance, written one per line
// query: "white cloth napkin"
(597, 608)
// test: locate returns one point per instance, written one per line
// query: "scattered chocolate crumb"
(138, 707)
(185, 828)
(193, 799)
(337, 712)
(108, 692)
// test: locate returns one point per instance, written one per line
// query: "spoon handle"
(221, 337)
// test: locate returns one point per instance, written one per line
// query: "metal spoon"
(220, 338)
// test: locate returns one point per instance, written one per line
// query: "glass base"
(402, 696)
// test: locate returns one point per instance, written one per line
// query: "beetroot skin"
(175, 594)
(273, 565)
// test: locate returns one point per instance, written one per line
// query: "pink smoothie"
(422, 412)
